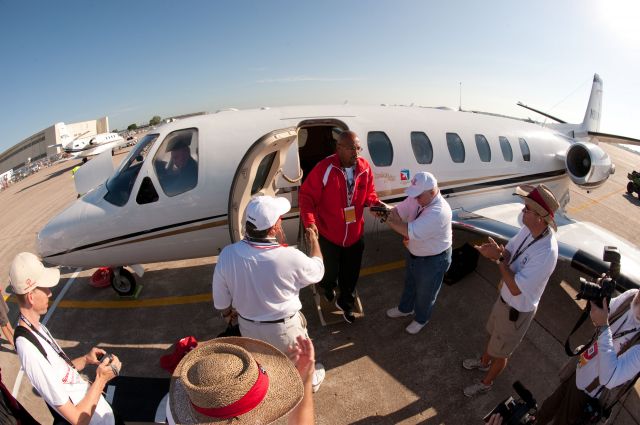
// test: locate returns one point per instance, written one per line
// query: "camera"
(102, 356)
(595, 292)
(520, 411)
(382, 211)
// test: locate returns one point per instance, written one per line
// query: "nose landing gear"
(123, 282)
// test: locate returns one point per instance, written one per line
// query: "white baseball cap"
(264, 211)
(28, 273)
(420, 183)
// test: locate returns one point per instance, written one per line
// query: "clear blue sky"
(78, 60)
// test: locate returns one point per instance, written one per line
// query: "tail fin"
(591, 120)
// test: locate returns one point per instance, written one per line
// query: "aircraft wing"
(580, 243)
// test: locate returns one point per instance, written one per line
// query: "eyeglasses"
(351, 148)
(526, 209)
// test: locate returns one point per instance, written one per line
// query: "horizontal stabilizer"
(613, 138)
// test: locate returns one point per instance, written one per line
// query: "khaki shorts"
(504, 334)
(4, 313)
(280, 335)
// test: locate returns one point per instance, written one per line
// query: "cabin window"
(422, 149)
(484, 150)
(456, 147)
(524, 147)
(262, 173)
(176, 162)
(380, 148)
(147, 192)
(120, 185)
(507, 152)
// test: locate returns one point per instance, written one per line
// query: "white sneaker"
(476, 389)
(471, 364)
(415, 327)
(395, 312)
(318, 377)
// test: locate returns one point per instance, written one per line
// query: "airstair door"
(265, 169)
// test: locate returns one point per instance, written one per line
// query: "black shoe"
(347, 313)
(330, 295)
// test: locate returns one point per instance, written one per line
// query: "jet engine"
(588, 165)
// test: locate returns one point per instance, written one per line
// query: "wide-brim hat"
(541, 200)
(220, 372)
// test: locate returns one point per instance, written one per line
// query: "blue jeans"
(422, 283)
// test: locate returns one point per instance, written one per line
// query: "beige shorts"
(4, 313)
(505, 335)
(280, 335)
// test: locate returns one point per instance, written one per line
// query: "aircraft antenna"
(460, 98)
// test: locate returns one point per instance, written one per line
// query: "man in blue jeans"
(424, 219)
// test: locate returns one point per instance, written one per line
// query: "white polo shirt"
(532, 268)
(262, 281)
(429, 227)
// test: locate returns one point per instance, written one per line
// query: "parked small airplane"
(182, 190)
(84, 145)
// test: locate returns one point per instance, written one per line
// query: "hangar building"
(40, 145)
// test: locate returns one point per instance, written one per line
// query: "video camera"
(515, 412)
(382, 212)
(592, 291)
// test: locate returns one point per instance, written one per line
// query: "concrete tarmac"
(376, 372)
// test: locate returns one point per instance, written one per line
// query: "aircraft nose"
(61, 233)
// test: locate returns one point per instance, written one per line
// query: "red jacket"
(323, 197)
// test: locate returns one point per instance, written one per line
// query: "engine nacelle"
(588, 165)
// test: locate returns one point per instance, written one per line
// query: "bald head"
(348, 148)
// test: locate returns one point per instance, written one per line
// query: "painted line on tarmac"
(190, 299)
(592, 202)
(16, 385)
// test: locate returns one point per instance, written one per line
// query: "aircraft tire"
(125, 285)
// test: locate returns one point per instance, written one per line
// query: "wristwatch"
(499, 260)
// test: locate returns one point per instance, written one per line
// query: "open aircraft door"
(270, 167)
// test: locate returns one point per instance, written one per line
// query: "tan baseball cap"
(28, 273)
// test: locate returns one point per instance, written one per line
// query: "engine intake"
(588, 165)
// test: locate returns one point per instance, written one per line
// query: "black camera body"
(101, 356)
(516, 412)
(382, 211)
(591, 291)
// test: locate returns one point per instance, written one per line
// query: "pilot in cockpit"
(180, 172)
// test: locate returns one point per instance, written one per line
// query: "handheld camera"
(516, 411)
(592, 291)
(382, 212)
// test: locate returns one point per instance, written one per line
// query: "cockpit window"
(176, 162)
(120, 184)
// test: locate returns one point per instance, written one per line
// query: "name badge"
(350, 214)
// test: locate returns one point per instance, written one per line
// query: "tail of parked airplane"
(591, 121)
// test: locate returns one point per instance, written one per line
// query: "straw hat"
(227, 376)
(541, 200)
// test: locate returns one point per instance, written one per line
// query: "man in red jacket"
(332, 201)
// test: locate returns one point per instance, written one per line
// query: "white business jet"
(85, 147)
(182, 191)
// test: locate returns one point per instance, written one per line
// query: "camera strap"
(581, 320)
(521, 251)
(49, 339)
(620, 311)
